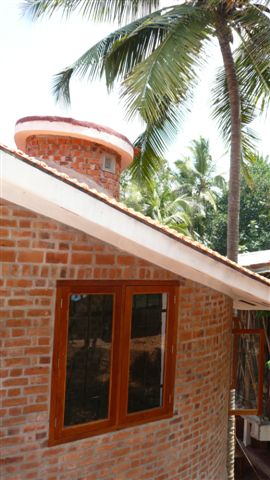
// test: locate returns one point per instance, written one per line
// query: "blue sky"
(31, 53)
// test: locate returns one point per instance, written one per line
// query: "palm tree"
(160, 199)
(196, 178)
(159, 56)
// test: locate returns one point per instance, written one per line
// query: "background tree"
(160, 200)
(254, 213)
(181, 197)
(160, 57)
(196, 177)
(203, 197)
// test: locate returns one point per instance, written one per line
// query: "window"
(108, 162)
(114, 356)
(248, 371)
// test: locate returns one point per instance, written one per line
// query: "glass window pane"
(247, 375)
(147, 350)
(88, 358)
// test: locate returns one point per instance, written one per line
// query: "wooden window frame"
(249, 331)
(118, 418)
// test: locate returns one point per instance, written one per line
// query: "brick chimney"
(95, 152)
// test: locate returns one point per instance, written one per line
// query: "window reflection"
(147, 348)
(88, 358)
(247, 376)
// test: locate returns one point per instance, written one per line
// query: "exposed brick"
(18, 361)
(35, 408)
(10, 382)
(36, 370)
(14, 392)
(4, 232)
(81, 258)
(19, 282)
(125, 260)
(12, 402)
(7, 255)
(17, 342)
(105, 259)
(6, 243)
(30, 257)
(170, 449)
(17, 302)
(7, 222)
(18, 332)
(37, 351)
(22, 322)
(56, 257)
(35, 389)
(81, 155)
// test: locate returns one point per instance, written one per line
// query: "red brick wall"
(189, 446)
(82, 155)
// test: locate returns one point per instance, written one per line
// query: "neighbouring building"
(258, 262)
(258, 427)
(116, 330)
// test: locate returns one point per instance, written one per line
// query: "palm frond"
(252, 56)
(209, 197)
(202, 159)
(147, 160)
(252, 25)
(136, 45)
(121, 11)
(170, 72)
(154, 141)
(61, 85)
(222, 114)
(219, 182)
(140, 38)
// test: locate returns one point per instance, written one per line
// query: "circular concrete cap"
(68, 127)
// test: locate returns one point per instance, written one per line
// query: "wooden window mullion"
(124, 349)
(120, 342)
(237, 333)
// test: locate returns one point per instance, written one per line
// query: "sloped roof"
(260, 257)
(140, 218)
(258, 261)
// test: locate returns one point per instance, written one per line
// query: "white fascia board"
(42, 193)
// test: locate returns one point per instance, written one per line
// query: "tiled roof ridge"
(73, 121)
(41, 165)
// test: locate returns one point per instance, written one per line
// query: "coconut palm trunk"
(235, 155)
(234, 187)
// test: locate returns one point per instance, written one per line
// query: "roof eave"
(49, 196)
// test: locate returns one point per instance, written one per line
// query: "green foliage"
(255, 208)
(179, 198)
(254, 212)
(216, 225)
(98, 10)
(158, 200)
(252, 66)
(192, 199)
(196, 178)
